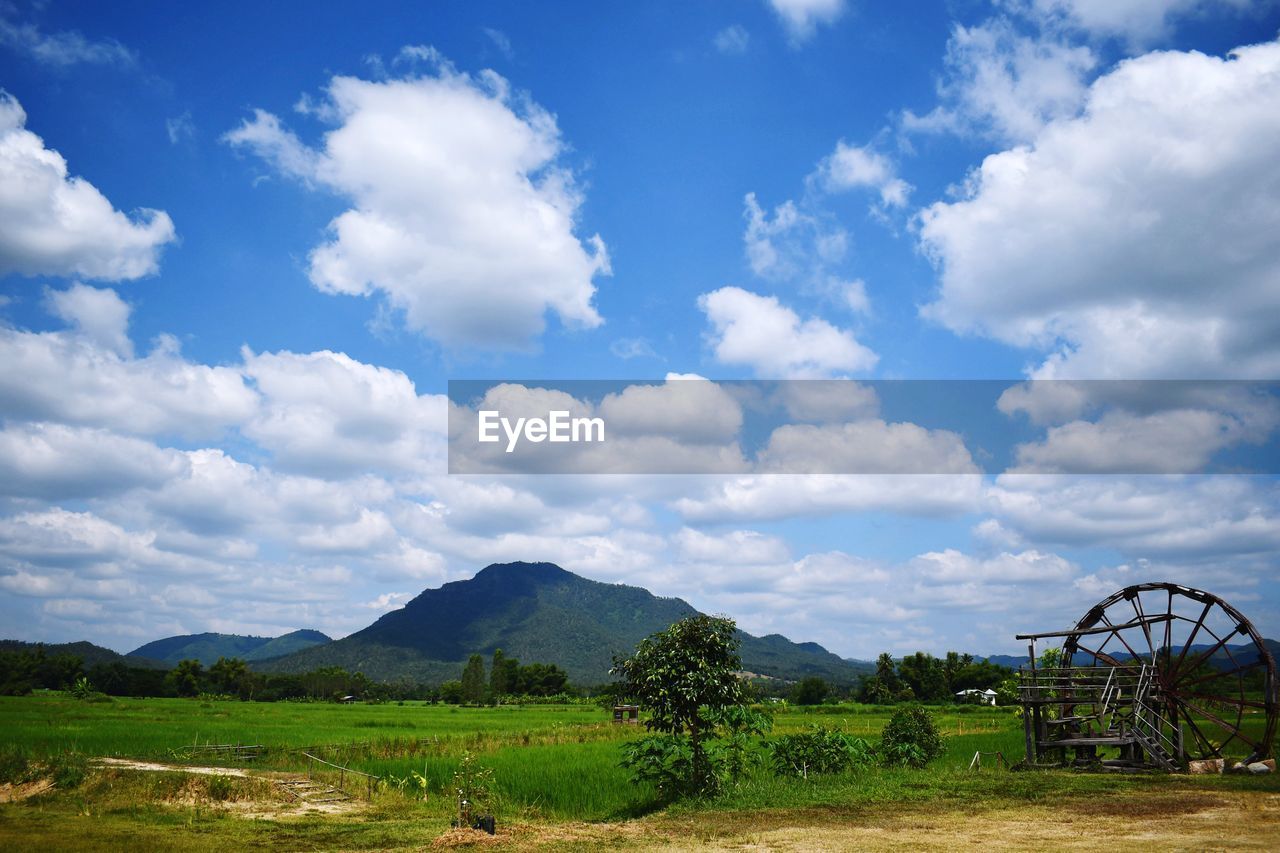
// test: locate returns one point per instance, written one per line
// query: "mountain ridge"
(208, 646)
(537, 612)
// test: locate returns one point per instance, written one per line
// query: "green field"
(551, 764)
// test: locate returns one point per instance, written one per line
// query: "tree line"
(26, 670)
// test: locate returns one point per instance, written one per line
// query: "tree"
(187, 676)
(911, 738)
(498, 685)
(451, 692)
(473, 680)
(810, 691)
(685, 678)
(229, 675)
(887, 672)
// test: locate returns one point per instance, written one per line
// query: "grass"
(554, 766)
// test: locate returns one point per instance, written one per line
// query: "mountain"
(1242, 654)
(537, 612)
(207, 648)
(87, 652)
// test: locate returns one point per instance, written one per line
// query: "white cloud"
(1034, 566)
(63, 377)
(1169, 442)
(100, 316)
(1179, 518)
(1136, 240)
(803, 17)
(180, 128)
(64, 49)
(1005, 84)
(61, 225)
(779, 496)
(865, 447)
(54, 461)
(326, 413)
(732, 40)
(501, 41)
(739, 547)
(851, 167)
(1138, 22)
(462, 215)
(761, 333)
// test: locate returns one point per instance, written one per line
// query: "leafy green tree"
(473, 680)
(498, 673)
(685, 678)
(187, 677)
(229, 675)
(911, 738)
(451, 692)
(810, 691)
(887, 673)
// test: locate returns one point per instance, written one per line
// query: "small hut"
(626, 714)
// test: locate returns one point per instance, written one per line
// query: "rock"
(1210, 765)
(1239, 767)
(1257, 768)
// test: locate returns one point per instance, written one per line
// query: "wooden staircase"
(310, 791)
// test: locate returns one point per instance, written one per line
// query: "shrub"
(15, 767)
(911, 739)
(68, 769)
(819, 750)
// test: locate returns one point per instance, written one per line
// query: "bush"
(911, 739)
(818, 750)
(15, 767)
(68, 769)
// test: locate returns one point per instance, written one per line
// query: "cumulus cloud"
(68, 378)
(865, 447)
(780, 496)
(1187, 519)
(54, 461)
(803, 17)
(57, 224)
(851, 167)
(1137, 22)
(463, 216)
(99, 315)
(1005, 84)
(761, 333)
(1135, 240)
(326, 413)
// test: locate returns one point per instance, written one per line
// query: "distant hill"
(87, 652)
(207, 648)
(537, 612)
(1243, 654)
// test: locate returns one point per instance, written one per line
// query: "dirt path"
(1191, 822)
(130, 764)
(296, 805)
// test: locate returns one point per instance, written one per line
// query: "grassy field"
(555, 769)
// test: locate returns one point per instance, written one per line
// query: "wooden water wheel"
(1209, 678)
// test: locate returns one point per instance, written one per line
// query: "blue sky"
(281, 231)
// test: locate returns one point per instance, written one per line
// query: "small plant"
(819, 750)
(68, 769)
(911, 739)
(473, 785)
(15, 767)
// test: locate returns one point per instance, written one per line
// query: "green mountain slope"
(86, 651)
(208, 647)
(536, 612)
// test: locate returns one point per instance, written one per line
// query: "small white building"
(986, 697)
